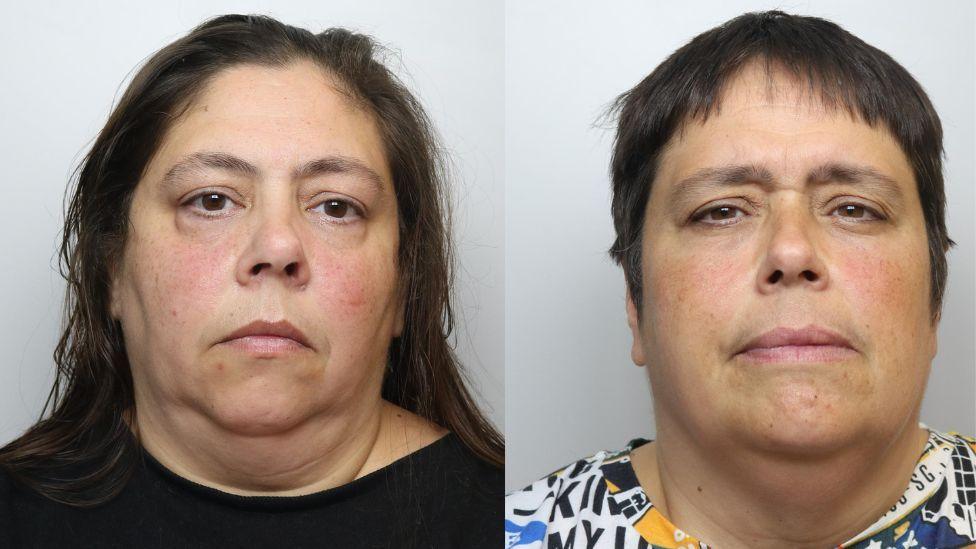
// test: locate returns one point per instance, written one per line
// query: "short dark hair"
(846, 73)
(82, 452)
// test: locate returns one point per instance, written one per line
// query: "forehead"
(771, 119)
(276, 117)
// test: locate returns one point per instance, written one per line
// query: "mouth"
(267, 338)
(811, 344)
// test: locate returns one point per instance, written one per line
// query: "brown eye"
(852, 210)
(335, 208)
(857, 212)
(213, 202)
(719, 215)
(722, 213)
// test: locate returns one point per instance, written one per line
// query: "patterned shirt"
(597, 502)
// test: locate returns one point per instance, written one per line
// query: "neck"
(316, 455)
(730, 497)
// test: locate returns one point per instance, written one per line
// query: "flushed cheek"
(885, 286)
(873, 279)
(888, 296)
(343, 285)
(354, 284)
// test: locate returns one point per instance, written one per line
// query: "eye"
(210, 201)
(857, 212)
(724, 214)
(339, 210)
(213, 202)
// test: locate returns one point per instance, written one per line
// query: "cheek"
(345, 284)
(886, 290)
(353, 294)
(694, 289)
(189, 278)
(868, 279)
(192, 276)
(176, 291)
(354, 285)
(689, 302)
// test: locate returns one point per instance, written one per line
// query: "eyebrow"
(724, 176)
(848, 173)
(332, 164)
(338, 164)
(831, 172)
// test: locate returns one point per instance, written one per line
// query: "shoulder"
(450, 458)
(959, 450)
(436, 457)
(557, 501)
(459, 495)
(401, 433)
(938, 508)
(21, 509)
(953, 453)
(964, 439)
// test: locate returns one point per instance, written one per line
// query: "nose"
(791, 257)
(274, 250)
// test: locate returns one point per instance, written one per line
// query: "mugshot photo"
(261, 302)
(532, 275)
(740, 275)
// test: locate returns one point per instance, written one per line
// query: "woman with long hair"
(255, 348)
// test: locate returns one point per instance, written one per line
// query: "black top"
(438, 496)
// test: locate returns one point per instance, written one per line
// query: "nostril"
(810, 275)
(291, 268)
(774, 278)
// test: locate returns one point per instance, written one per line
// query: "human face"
(215, 245)
(779, 213)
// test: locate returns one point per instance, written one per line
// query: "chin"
(799, 439)
(795, 406)
(260, 413)
(802, 421)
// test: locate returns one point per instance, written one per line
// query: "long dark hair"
(82, 452)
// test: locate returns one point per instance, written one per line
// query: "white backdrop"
(514, 89)
(571, 388)
(65, 63)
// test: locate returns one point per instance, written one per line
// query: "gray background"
(571, 388)
(64, 63)
(514, 90)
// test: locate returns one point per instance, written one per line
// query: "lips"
(261, 329)
(809, 344)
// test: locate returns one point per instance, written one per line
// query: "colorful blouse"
(597, 502)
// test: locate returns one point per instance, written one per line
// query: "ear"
(637, 348)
